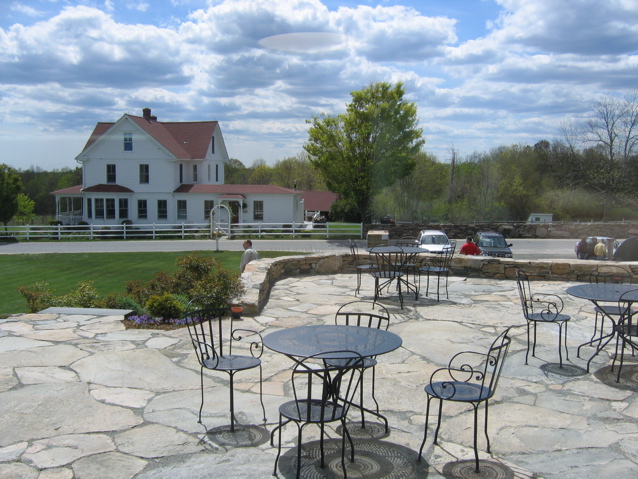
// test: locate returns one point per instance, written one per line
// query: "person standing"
(249, 255)
(581, 249)
(601, 250)
(591, 246)
(470, 247)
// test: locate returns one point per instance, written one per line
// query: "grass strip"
(109, 272)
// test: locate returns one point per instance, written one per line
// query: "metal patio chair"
(470, 377)
(364, 314)
(360, 267)
(626, 329)
(439, 265)
(323, 390)
(386, 269)
(215, 351)
(607, 273)
(542, 308)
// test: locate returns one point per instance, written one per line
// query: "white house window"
(208, 206)
(99, 208)
(128, 141)
(142, 209)
(181, 173)
(162, 209)
(110, 174)
(209, 173)
(144, 174)
(258, 210)
(194, 173)
(123, 208)
(110, 208)
(212, 145)
(181, 209)
(216, 173)
(89, 208)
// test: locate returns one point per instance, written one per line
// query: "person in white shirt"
(249, 255)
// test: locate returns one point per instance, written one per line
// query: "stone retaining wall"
(261, 275)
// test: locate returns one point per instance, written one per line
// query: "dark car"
(387, 220)
(493, 244)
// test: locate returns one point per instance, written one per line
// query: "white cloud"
(540, 62)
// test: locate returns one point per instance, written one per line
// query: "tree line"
(373, 157)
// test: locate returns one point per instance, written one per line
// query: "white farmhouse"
(144, 171)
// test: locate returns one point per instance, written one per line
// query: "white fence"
(183, 231)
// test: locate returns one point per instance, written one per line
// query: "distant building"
(317, 202)
(145, 171)
(540, 218)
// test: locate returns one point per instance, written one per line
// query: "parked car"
(387, 220)
(493, 244)
(434, 241)
(590, 239)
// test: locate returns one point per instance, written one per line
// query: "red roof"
(107, 189)
(236, 189)
(185, 140)
(318, 200)
(71, 190)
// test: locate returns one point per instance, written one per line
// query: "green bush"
(39, 296)
(165, 306)
(120, 301)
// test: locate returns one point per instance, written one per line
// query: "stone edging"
(262, 274)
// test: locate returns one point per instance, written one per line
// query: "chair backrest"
(444, 259)
(387, 260)
(354, 251)
(496, 360)
(363, 313)
(324, 385)
(482, 369)
(525, 293)
(626, 322)
(205, 329)
(611, 273)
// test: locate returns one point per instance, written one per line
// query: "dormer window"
(128, 141)
(194, 173)
(212, 145)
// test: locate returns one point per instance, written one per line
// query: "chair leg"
(476, 458)
(201, 406)
(487, 437)
(425, 433)
(232, 403)
(261, 393)
(527, 353)
(438, 424)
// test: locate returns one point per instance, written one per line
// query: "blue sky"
(483, 73)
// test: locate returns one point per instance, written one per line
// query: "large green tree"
(10, 188)
(368, 147)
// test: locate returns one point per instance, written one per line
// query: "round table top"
(604, 292)
(305, 341)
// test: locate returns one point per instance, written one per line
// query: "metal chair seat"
(314, 411)
(232, 363)
(544, 318)
(459, 391)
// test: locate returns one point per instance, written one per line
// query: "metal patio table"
(305, 341)
(602, 293)
(407, 264)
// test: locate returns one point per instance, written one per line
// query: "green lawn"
(109, 272)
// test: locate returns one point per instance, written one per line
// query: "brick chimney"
(146, 112)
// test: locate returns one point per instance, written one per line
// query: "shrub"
(119, 301)
(39, 296)
(165, 306)
(85, 296)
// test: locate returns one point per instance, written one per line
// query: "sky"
(483, 73)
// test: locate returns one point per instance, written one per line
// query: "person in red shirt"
(470, 248)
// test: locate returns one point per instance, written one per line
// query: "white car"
(434, 241)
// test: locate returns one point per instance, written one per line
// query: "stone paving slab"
(82, 397)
